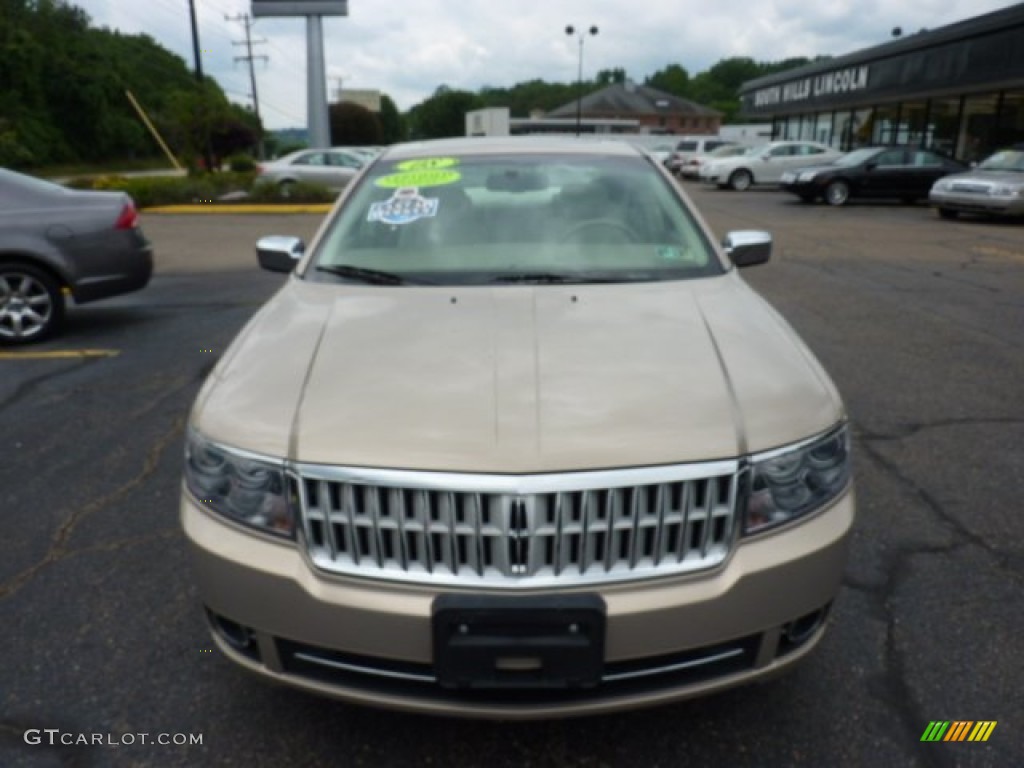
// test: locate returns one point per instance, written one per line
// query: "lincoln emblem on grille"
(518, 536)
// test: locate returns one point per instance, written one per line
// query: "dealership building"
(958, 89)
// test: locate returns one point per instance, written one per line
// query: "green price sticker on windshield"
(427, 164)
(425, 178)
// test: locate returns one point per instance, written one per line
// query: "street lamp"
(571, 30)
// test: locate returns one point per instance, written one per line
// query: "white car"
(689, 146)
(690, 168)
(766, 164)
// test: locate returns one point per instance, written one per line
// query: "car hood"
(994, 177)
(516, 378)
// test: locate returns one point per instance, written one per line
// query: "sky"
(407, 48)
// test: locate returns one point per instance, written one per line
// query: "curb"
(213, 209)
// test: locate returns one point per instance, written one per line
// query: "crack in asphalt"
(896, 692)
(58, 545)
(28, 385)
(904, 431)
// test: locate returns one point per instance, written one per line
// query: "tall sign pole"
(316, 68)
(316, 84)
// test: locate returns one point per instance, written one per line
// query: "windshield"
(530, 218)
(857, 157)
(728, 150)
(1006, 160)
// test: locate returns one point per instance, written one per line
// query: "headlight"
(807, 176)
(244, 488)
(940, 186)
(790, 483)
(1002, 191)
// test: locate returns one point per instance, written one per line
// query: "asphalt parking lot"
(919, 321)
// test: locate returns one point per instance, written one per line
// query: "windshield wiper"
(549, 278)
(366, 275)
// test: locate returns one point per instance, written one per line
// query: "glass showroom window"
(884, 128)
(862, 128)
(1010, 129)
(911, 128)
(943, 126)
(807, 128)
(823, 130)
(977, 130)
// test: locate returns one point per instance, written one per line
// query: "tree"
(63, 83)
(443, 114)
(353, 125)
(391, 121)
(672, 79)
(609, 76)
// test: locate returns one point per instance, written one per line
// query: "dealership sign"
(835, 82)
(299, 8)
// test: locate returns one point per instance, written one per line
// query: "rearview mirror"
(748, 247)
(279, 253)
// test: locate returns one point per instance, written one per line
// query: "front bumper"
(667, 639)
(987, 204)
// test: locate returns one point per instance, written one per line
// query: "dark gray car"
(56, 242)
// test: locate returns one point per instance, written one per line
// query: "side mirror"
(871, 166)
(279, 253)
(748, 247)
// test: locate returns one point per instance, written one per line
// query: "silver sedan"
(995, 187)
(332, 168)
(56, 242)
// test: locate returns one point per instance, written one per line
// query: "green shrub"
(302, 192)
(241, 163)
(209, 188)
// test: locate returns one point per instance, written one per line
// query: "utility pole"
(205, 137)
(247, 24)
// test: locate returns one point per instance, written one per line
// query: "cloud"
(407, 49)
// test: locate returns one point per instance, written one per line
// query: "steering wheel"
(621, 233)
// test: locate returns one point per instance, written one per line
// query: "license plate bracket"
(487, 642)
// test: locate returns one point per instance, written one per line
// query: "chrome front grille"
(518, 531)
(971, 188)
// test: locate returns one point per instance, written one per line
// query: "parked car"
(994, 187)
(56, 241)
(690, 169)
(536, 447)
(692, 145)
(333, 168)
(902, 173)
(765, 164)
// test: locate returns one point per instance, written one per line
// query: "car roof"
(511, 145)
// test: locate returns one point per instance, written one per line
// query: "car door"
(926, 168)
(343, 166)
(805, 156)
(312, 167)
(775, 162)
(887, 174)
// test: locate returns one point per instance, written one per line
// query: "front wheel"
(837, 193)
(31, 304)
(741, 180)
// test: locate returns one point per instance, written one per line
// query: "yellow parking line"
(242, 208)
(58, 354)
